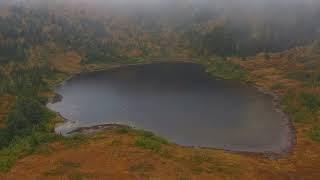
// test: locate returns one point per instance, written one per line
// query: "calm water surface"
(178, 101)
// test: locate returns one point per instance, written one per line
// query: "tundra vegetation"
(40, 46)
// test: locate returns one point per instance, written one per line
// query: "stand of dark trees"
(105, 38)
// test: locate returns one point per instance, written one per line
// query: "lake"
(178, 101)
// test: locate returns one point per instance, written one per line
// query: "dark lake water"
(178, 101)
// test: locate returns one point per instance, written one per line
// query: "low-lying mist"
(223, 27)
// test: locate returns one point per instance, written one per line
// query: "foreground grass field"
(120, 153)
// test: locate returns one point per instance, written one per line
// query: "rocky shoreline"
(97, 128)
(292, 137)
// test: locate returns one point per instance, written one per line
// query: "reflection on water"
(178, 101)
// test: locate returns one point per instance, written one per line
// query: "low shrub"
(123, 130)
(28, 125)
(278, 86)
(225, 69)
(301, 106)
(307, 78)
(310, 100)
(315, 134)
(150, 141)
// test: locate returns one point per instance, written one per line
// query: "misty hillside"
(112, 31)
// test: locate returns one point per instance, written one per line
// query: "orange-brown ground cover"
(114, 155)
(69, 62)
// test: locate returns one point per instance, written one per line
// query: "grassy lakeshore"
(25, 121)
(139, 154)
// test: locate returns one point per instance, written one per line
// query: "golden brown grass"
(101, 158)
(69, 62)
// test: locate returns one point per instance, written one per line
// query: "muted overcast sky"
(254, 2)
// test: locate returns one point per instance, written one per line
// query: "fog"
(233, 7)
(249, 3)
(259, 7)
(277, 11)
(270, 24)
(161, 3)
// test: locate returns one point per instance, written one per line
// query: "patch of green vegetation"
(299, 75)
(105, 55)
(151, 135)
(26, 81)
(302, 115)
(123, 130)
(28, 126)
(309, 78)
(225, 69)
(314, 134)
(278, 86)
(310, 100)
(132, 60)
(150, 141)
(301, 106)
(27, 115)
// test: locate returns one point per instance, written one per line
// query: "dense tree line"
(105, 38)
(26, 117)
(25, 81)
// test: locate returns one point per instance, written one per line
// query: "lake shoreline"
(291, 134)
(110, 126)
(116, 66)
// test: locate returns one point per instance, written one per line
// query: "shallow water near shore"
(178, 101)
